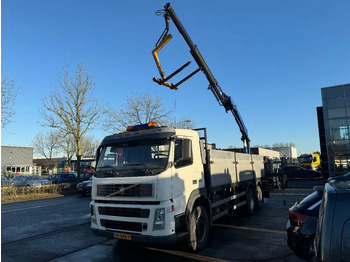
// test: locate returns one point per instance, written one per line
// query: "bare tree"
(47, 145)
(89, 146)
(73, 109)
(68, 147)
(8, 96)
(139, 109)
(281, 144)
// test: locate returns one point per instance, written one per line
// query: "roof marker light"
(142, 126)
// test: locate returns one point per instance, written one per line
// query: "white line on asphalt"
(26, 208)
(252, 229)
(188, 255)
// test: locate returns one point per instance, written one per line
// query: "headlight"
(88, 185)
(159, 219)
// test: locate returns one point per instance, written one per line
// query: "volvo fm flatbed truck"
(160, 185)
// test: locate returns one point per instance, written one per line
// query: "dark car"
(332, 241)
(344, 177)
(84, 187)
(4, 182)
(63, 178)
(301, 226)
(28, 180)
(300, 172)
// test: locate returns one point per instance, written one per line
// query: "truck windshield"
(305, 159)
(134, 158)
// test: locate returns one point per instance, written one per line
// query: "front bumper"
(134, 220)
(139, 238)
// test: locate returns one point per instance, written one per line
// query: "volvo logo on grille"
(121, 191)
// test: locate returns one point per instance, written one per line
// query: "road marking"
(26, 208)
(252, 229)
(188, 255)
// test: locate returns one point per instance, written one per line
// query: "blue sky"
(271, 57)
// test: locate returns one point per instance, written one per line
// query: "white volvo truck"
(159, 185)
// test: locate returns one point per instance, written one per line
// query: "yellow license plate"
(80, 189)
(122, 236)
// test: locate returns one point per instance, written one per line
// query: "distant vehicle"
(310, 161)
(300, 172)
(63, 178)
(28, 180)
(84, 187)
(301, 225)
(332, 241)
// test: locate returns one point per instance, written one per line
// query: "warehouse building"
(18, 159)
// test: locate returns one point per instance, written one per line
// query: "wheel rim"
(200, 228)
(259, 194)
(251, 199)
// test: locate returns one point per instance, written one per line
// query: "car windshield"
(134, 158)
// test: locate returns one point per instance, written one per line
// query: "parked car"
(300, 172)
(344, 177)
(332, 241)
(86, 176)
(28, 180)
(4, 182)
(63, 178)
(84, 187)
(301, 225)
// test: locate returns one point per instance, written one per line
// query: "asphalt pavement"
(58, 230)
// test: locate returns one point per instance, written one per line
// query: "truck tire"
(250, 206)
(199, 228)
(259, 197)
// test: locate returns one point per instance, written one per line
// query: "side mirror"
(93, 164)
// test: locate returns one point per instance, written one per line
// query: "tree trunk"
(78, 167)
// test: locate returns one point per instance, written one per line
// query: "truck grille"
(125, 190)
(124, 212)
(121, 225)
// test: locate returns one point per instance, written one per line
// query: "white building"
(18, 159)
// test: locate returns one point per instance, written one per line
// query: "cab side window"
(183, 153)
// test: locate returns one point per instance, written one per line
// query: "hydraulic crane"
(223, 99)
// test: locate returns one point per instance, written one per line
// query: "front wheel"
(199, 228)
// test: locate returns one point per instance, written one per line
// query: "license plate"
(122, 236)
(80, 189)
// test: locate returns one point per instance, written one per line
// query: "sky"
(272, 57)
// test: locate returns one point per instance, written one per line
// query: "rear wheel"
(259, 197)
(250, 206)
(199, 228)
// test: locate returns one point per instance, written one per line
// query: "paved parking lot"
(261, 237)
(58, 229)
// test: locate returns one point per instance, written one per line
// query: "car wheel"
(199, 228)
(250, 206)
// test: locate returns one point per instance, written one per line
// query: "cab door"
(185, 175)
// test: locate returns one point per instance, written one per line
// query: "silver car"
(332, 241)
(28, 180)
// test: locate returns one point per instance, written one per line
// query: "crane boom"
(214, 86)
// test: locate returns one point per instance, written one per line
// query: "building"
(258, 151)
(18, 159)
(288, 151)
(336, 122)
